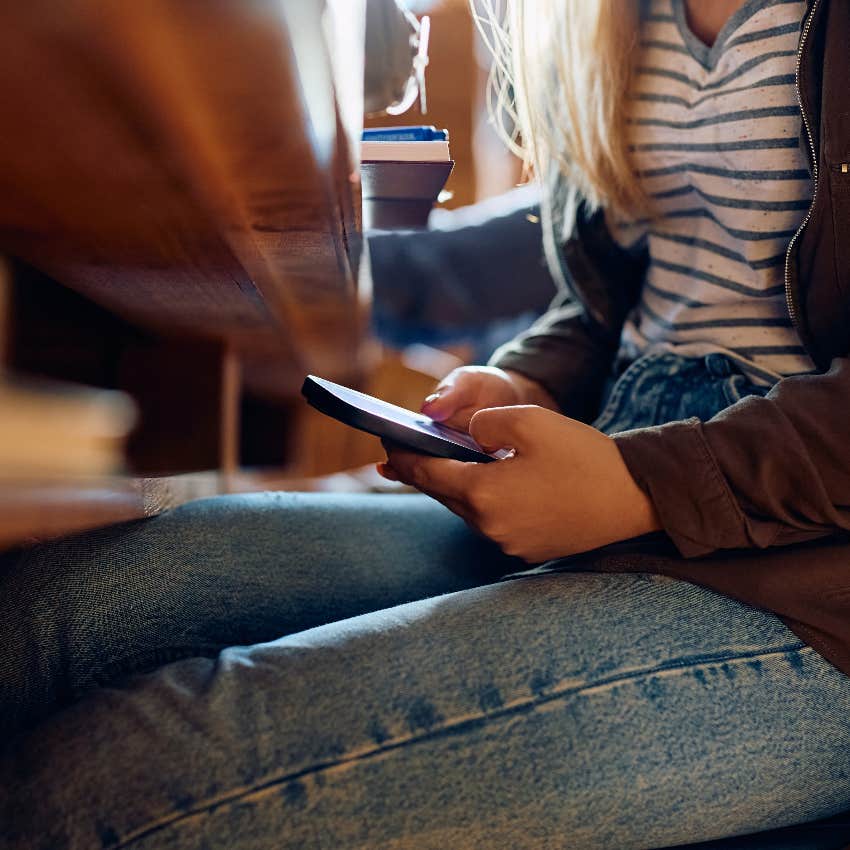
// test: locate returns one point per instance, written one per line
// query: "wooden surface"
(176, 162)
(178, 190)
(185, 172)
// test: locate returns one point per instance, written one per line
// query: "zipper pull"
(841, 167)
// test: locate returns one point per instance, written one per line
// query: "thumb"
(504, 427)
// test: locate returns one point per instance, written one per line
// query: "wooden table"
(179, 192)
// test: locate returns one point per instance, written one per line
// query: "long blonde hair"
(561, 72)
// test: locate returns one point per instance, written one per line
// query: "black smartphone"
(412, 430)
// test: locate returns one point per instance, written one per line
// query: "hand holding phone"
(416, 431)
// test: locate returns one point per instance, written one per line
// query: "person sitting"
(375, 671)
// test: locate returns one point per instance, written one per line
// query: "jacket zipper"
(842, 167)
(789, 298)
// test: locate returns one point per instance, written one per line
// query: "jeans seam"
(730, 391)
(459, 725)
(132, 665)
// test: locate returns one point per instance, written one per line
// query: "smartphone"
(412, 430)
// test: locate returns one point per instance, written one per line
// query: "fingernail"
(432, 398)
(386, 471)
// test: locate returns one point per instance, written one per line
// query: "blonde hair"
(561, 72)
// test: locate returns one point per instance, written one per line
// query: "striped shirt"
(714, 132)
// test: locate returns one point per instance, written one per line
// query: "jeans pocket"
(624, 407)
(665, 387)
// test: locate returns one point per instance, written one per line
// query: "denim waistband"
(662, 387)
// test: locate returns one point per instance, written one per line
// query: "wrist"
(645, 514)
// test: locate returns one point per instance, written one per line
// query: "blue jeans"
(305, 671)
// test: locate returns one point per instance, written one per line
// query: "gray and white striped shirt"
(715, 136)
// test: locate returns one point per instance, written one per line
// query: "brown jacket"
(756, 500)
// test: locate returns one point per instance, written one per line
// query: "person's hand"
(469, 389)
(565, 490)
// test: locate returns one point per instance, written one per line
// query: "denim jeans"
(306, 671)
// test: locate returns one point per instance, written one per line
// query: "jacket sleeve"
(561, 354)
(570, 349)
(764, 472)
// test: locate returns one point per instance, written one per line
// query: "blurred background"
(457, 91)
(481, 188)
(181, 242)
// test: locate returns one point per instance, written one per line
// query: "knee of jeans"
(125, 587)
(170, 583)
